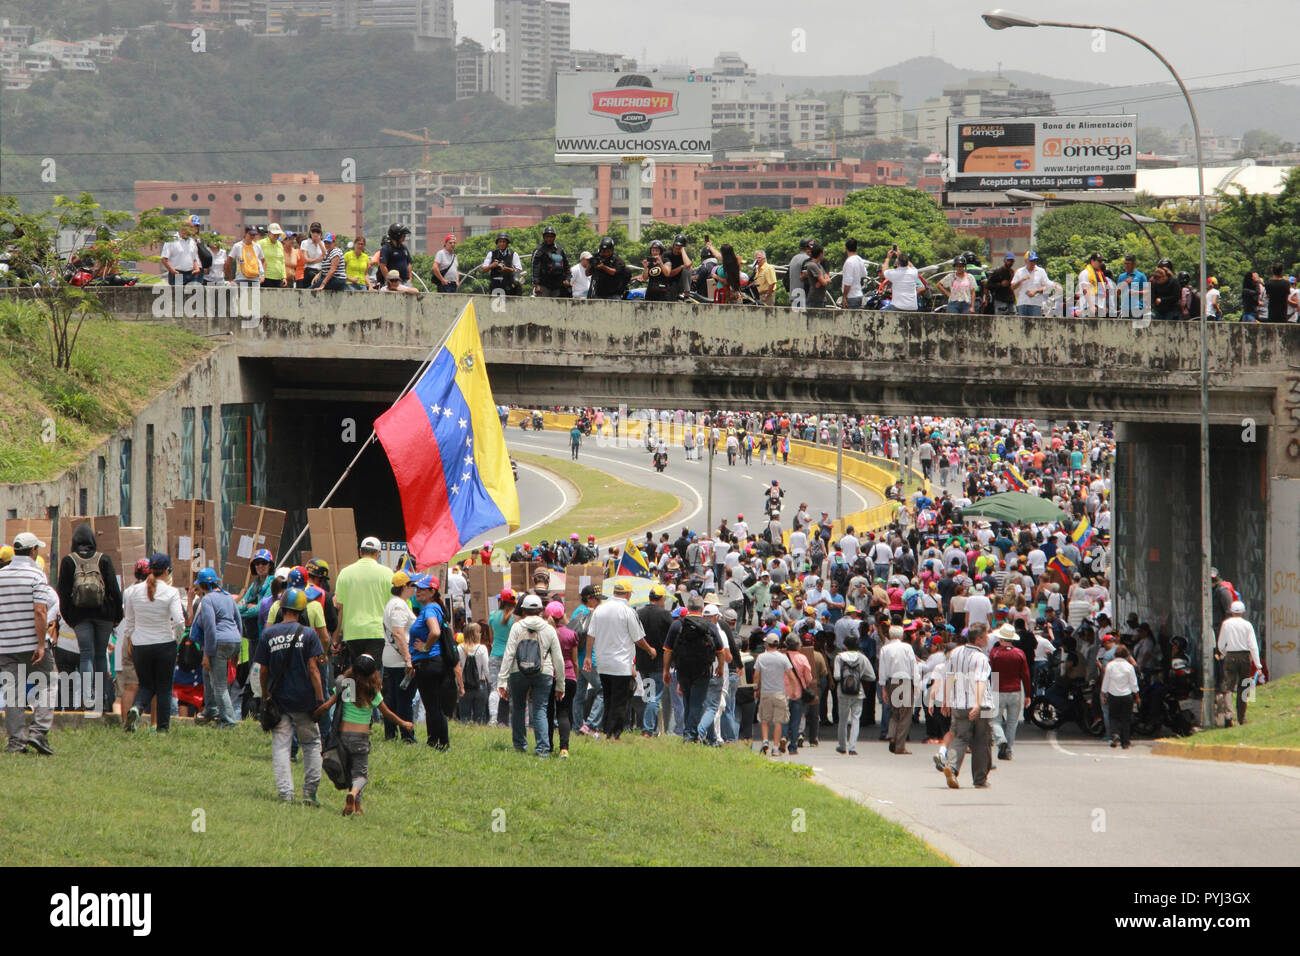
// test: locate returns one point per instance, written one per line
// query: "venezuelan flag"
(1063, 566)
(632, 561)
(447, 450)
(1012, 475)
(1082, 533)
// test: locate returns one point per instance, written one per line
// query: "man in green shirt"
(273, 253)
(361, 594)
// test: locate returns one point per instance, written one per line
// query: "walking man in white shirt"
(616, 632)
(899, 673)
(1239, 648)
(968, 699)
(852, 274)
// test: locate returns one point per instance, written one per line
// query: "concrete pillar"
(1279, 628)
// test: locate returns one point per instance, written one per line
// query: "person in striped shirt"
(969, 699)
(23, 651)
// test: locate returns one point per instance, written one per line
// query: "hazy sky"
(1198, 36)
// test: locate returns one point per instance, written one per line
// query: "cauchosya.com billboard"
(1074, 152)
(612, 115)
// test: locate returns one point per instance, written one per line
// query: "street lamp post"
(1001, 20)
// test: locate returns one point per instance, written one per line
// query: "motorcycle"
(661, 460)
(1162, 706)
(1080, 703)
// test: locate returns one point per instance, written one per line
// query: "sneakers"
(764, 750)
(801, 740)
(201, 719)
(41, 745)
(287, 798)
(853, 753)
(1008, 756)
(784, 744)
(840, 750)
(951, 778)
(1002, 751)
(19, 748)
(588, 731)
(310, 801)
(938, 763)
(132, 718)
(1114, 741)
(564, 755)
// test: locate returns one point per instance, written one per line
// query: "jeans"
(1170, 316)
(618, 693)
(1029, 310)
(498, 713)
(850, 715)
(309, 739)
(674, 691)
(155, 666)
(693, 697)
(14, 671)
(886, 711)
(852, 302)
(654, 688)
(93, 634)
(399, 701)
(521, 686)
(216, 690)
(1004, 308)
(1120, 709)
(730, 722)
(1011, 707)
(185, 278)
(447, 286)
(791, 730)
(589, 681)
(958, 308)
(474, 705)
(714, 703)
(560, 714)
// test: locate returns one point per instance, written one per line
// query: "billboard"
(1075, 153)
(603, 117)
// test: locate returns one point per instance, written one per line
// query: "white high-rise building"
(530, 43)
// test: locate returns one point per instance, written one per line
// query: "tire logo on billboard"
(633, 104)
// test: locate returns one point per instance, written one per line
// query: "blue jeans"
(853, 302)
(694, 694)
(216, 691)
(1003, 308)
(1029, 310)
(1249, 317)
(882, 694)
(712, 704)
(958, 308)
(674, 692)
(447, 286)
(1011, 707)
(791, 730)
(92, 640)
(521, 685)
(185, 278)
(589, 687)
(730, 720)
(1170, 316)
(654, 687)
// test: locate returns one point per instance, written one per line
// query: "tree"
(36, 265)
(1270, 225)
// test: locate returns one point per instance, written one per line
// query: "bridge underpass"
(327, 352)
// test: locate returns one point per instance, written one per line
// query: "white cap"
(1237, 608)
(711, 610)
(370, 544)
(282, 574)
(26, 541)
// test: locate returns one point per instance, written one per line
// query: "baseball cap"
(1009, 256)
(711, 610)
(771, 638)
(195, 221)
(26, 541)
(370, 544)
(658, 591)
(507, 596)
(622, 587)
(585, 255)
(422, 581)
(393, 274)
(531, 602)
(448, 238)
(1237, 607)
(159, 562)
(401, 579)
(729, 614)
(329, 237)
(1031, 256)
(274, 229)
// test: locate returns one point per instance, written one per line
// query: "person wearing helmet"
(529, 669)
(655, 274)
(152, 623)
(1213, 311)
(289, 659)
(960, 287)
(217, 629)
(6, 555)
(609, 278)
(678, 261)
(259, 587)
(552, 273)
(998, 287)
(446, 266)
(394, 254)
(503, 268)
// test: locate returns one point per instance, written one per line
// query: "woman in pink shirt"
(562, 713)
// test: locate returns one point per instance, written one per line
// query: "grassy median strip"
(201, 797)
(1272, 720)
(607, 507)
(50, 419)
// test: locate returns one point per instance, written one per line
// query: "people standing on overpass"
(794, 275)
(1166, 294)
(446, 266)
(852, 274)
(1132, 286)
(273, 255)
(356, 265)
(246, 263)
(393, 252)
(816, 277)
(551, 269)
(903, 279)
(678, 263)
(1239, 648)
(333, 275)
(764, 279)
(503, 267)
(960, 287)
(313, 250)
(609, 277)
(180, 256)
(580, 276)
(1001, 298)
(1277, 290)
(1030, 285)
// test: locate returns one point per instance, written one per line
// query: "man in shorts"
(769, 688)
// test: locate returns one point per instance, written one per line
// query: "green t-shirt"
(361, 594)
(315, 614)
(356, 714)
(274, 253)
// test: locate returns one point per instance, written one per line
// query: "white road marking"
(1051, 739)
(564, 500)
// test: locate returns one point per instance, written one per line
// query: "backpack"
(693, 652)
(851, 678)
(88, 589)
(189, 656)
(249, 267)
(205, 254)
(470, 671)
(528, 654)
(913, 601)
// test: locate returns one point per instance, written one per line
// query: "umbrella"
(1015, 506)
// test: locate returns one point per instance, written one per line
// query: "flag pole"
(428, 359)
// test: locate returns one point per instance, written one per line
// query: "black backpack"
(851, 677)
(694, 651)
(528, 654)
(470, 671)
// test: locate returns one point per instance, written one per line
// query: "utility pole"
(839, 473)
(708, 518)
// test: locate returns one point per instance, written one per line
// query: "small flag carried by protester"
(1063, 566)
(632, 561)
(1082, 533)
(444, 441)
(1012, 476)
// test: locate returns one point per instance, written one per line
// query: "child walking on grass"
(361, 683)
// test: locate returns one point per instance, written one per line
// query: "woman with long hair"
(152, 623)
(435, 657)
(730, 274)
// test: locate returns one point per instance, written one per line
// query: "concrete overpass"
(316, 361)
